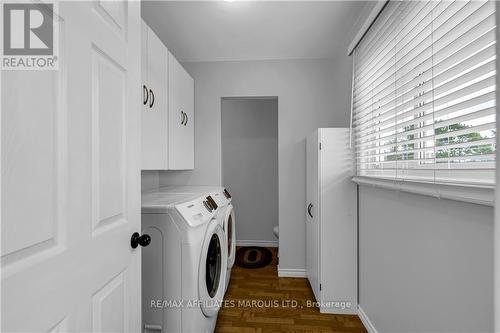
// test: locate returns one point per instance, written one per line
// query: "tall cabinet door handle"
(145, 95)
(187, 119)
(309, 209)
(152, 101)
(183, 117)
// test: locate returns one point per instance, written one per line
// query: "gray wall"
(150, 179)
(250, 164)
(311, 94)
(425, 265)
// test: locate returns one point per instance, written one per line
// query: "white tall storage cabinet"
(331, 224)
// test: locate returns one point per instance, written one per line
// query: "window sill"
(484, 195)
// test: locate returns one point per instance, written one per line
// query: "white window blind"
(424, 93)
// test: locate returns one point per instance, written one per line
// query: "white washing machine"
(225, 215)
(184, 266)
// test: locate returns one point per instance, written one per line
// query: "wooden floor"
(247, 285)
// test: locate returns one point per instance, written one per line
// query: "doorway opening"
(249, 127)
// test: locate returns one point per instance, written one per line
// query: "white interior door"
(71, 179)
(312, 214)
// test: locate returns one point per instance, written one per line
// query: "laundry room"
(249, 166)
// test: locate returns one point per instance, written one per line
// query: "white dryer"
(184, 267)
(225, 215)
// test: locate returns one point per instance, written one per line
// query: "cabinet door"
(339, 230)
(188, 107)
(181, 117)
(312, 215)
(155, 111)
(144, 65)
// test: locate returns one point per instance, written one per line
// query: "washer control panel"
(220, 198)
(195, 212)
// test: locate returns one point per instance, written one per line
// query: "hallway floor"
(243, 313)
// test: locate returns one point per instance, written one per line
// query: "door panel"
(29, 139)
(109, 94)
(71, 179)
(312, 223)
(115, 14)
(108, 307)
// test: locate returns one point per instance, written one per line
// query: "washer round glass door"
(230, 228)
(212, 271)
(213, 265)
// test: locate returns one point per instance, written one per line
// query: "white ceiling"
(258, 30)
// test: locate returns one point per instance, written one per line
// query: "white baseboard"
(366, 321)
(291, 272)
(353, 310)
(242, 242)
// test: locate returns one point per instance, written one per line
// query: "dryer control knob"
(212, 202)
(207, 206)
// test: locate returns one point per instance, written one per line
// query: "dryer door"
(230, 229)
(212, 272)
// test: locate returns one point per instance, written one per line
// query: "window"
(424, 93)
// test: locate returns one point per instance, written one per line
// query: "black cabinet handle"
(152, 102)
(137, 240)
(145, 95)
(185, 118)
(309, 209)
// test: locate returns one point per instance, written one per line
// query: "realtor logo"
(28, 36)
(28, 29)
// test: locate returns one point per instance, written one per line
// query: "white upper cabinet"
(168, 108)
(181, 117)
(155, 101)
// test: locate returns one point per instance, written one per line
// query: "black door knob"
(137, 239)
